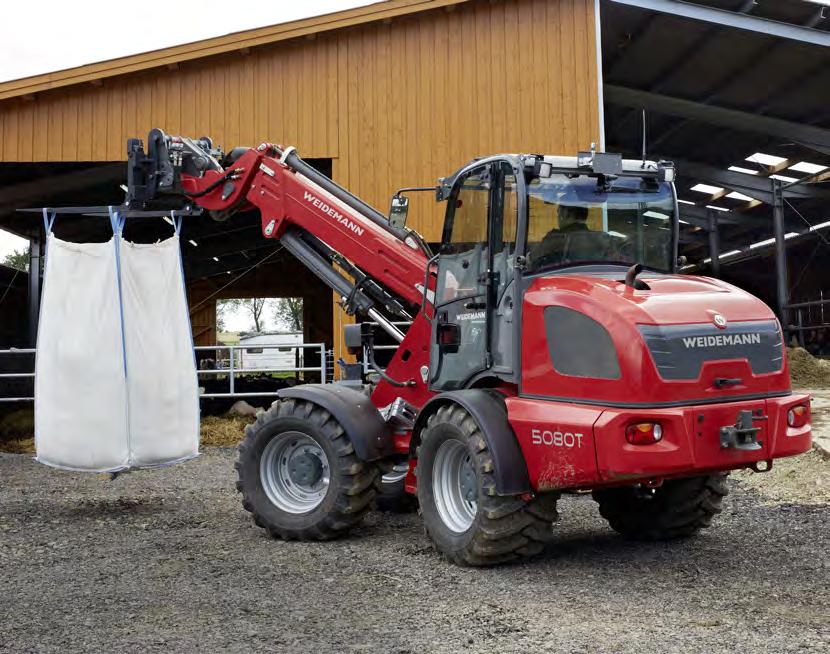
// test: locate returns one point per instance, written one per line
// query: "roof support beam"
(759, 188)
(812, 137)
(699, 217)
(732, 19)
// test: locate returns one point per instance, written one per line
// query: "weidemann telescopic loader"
(551, 346)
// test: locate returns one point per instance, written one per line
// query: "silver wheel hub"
(454, 486)
(294, 471)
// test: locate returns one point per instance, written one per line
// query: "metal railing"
(229, 366)
(378, 348)
(17, 375)
(809, 317)
(235, 368)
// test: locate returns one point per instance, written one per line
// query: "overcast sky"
(41, 36)
(47, 35)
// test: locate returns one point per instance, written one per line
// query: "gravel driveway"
(168, 561)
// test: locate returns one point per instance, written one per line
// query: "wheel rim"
(454, 486)
(295, 472)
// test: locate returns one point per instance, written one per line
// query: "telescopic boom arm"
(317, 220)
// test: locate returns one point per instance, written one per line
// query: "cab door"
(460, 332)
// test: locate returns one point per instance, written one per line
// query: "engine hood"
(678, 340)
(669, 299)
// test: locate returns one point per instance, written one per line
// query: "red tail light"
(644, 433)
(798, 416)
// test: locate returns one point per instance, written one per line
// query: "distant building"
(269, 351)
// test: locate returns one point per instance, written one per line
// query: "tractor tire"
(299, 475)
(464, 518)
(391, 495)
(677, 509)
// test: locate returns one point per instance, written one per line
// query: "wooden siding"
(396, 102)
(393, 103)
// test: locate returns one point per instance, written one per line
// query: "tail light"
(798, 416)
(644, 433)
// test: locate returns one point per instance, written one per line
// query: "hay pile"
(223, 431)
(17, 432)
(803, 479)
(807, 371)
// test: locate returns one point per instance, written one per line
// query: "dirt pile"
(807, 371)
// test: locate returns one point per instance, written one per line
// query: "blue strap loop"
(177, 222)
(49, 219)
(116, 220)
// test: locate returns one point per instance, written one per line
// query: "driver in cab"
(553, 247)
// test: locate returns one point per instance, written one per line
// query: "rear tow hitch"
(742, 435)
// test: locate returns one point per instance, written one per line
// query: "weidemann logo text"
(331, 211)
(722, 339)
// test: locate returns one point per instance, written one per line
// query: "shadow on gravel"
(119, 507)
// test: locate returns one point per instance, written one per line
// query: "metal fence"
(380, 348)
(223, 366)
(14, 354)
(230, 365)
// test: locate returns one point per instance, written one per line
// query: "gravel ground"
(168, 561)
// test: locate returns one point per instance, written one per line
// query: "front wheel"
(677, 509)
(299, 475)
(465, 519)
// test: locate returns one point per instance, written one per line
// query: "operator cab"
(513, 218)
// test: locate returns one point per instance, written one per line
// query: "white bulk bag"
(161, 369)
(115, 385)
(80, 388)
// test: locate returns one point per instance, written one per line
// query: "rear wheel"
(299, 475)
(677, 509)
(465, 519)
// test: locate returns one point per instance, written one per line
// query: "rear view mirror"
(399, 211)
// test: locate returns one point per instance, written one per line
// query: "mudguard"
(488, 410)
(364, 426)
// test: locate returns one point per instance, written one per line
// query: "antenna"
(645, 140)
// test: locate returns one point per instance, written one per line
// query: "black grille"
(679, 351)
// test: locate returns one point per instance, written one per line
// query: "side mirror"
(399, 211)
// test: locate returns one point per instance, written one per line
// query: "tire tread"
(508, 528)
(357, 489)
(678, 509)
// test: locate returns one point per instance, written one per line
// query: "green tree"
(18, 259)
(223, 308)
(254, 307)
(288, 311)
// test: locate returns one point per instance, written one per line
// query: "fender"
(488, 410)
(362, 422)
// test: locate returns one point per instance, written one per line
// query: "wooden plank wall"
(395, 103)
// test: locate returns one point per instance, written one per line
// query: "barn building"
(401, 92)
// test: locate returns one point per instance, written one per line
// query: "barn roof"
(307, 27)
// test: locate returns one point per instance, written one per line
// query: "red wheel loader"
(549, 345)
